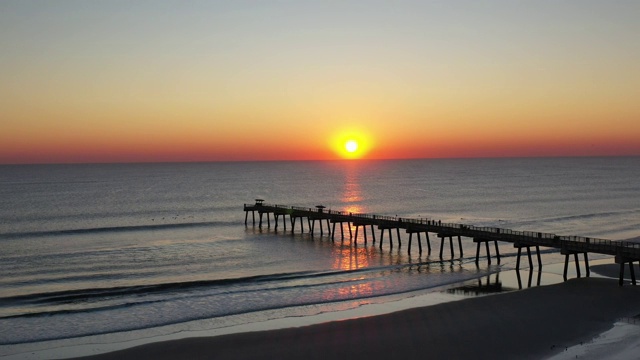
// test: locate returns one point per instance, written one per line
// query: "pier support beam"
(442, 237)
(479, 241)
(246, 216)
(519, 246)
(253, 208)
(276, 217)
(540, 259)
(312, 226)
(623, 261)
(333, 232)
(426, 233)
(418, 232)
(293, 223)
(409, 246)
(261, 213)
(364, 231)
(576, 260)
(382, 229)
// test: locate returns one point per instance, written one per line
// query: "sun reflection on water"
(350, 255)
(352, 192)
(351, 258)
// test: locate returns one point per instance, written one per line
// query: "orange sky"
(117, 82)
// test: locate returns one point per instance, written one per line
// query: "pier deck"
(624, 252)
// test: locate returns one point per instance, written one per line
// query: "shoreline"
(468, 290)
(507, 282)
(532, 323)
(107, 343)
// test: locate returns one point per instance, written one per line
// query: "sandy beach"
(530, 324)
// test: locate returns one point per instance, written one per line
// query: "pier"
(625, 253)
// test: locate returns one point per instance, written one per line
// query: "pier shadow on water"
(499, 282)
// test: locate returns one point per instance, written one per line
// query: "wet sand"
(529, 324)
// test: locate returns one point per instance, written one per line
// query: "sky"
(152, 81)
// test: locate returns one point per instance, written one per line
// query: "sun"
(351, 146)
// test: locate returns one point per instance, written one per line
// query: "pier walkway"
(626, 253)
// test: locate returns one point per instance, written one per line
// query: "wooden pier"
(626, 253)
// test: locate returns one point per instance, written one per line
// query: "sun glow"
(351, 144)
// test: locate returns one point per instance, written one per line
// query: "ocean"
(126, 250)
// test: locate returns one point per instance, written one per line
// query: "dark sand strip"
(528, 324)
(613, 270)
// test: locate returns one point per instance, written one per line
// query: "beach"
(534, 323)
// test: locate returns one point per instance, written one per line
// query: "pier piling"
(479, 242)
(450, 237)
(624, 261)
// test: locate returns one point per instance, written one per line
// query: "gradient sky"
(114, 81)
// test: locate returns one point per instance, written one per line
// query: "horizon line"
(317, 160)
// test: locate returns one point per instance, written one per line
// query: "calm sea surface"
(95, 249)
